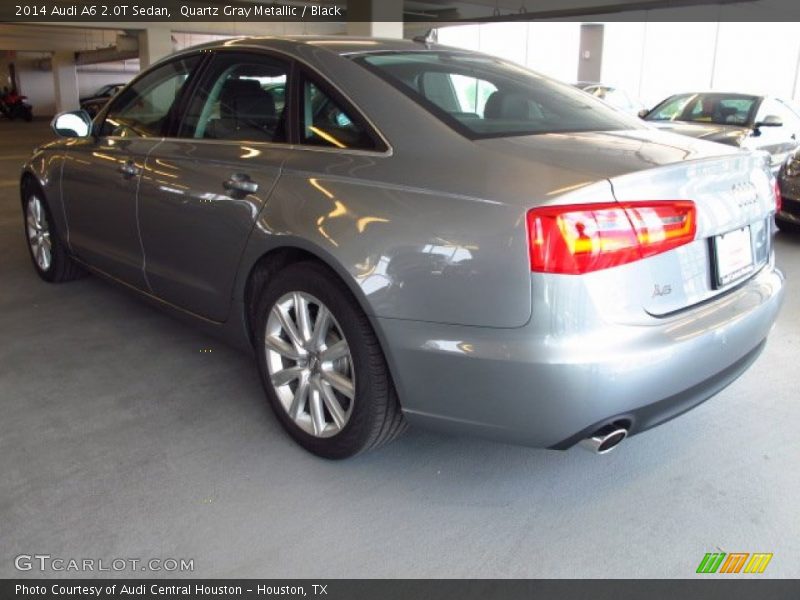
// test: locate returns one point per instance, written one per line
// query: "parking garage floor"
(122, 436)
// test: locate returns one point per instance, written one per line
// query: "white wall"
(35, 83)
(653, 59)
(549, 48)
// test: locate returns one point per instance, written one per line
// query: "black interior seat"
(247, 112)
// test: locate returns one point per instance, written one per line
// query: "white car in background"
(614, 96)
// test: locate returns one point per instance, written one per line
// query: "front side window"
(325, 122)
(243, 99)
(487, 97)
(143, 109)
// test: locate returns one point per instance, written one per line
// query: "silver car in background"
(405, 233)
(740, 120)
(614, 96)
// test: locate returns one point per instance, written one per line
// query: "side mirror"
(643, 113)
(769, 121)
(74, 124)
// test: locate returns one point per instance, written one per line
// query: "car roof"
(338, 44)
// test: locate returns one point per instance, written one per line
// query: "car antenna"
(431, 37)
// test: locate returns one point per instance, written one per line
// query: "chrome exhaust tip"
(605, 439)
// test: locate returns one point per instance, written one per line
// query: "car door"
(102, 173)
(204, 186)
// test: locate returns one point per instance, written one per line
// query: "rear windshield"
(486, 97)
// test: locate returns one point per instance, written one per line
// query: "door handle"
(129, 169)
(241, 183)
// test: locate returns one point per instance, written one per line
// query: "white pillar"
(376, 18)
(65, 79)
(154, 44)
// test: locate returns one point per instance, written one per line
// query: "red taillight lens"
(589, 237)
(778, 198)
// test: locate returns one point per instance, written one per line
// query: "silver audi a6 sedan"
(404, 232)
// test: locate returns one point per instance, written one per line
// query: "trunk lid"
(734, 199)
(731, 188)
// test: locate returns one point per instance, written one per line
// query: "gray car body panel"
(430, 236)
(571, 370)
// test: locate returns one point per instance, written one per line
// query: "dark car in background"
(789, 182)
(94, 103)
(614, 96)
(742, 120)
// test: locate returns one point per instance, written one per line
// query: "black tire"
(788, 226)
(376, 417)
(61, 268)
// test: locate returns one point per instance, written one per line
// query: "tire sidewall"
(317, 281)
(55, 254)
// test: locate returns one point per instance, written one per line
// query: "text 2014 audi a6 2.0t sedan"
(411, 233)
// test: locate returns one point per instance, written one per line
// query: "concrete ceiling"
(558, 9)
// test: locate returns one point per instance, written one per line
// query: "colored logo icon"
(735, 562)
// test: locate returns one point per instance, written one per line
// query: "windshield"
(722, 109)
(484, 97)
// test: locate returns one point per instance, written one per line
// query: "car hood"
(733, 135)
(93, 98)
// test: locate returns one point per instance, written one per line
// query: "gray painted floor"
(119, 438)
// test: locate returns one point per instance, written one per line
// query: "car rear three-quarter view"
(406, 233)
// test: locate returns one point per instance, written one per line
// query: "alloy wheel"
(38, 231)
(310, 365)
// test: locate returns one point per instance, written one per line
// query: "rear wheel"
(50, 257)
(321, 365)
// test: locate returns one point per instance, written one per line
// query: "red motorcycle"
(13, 106)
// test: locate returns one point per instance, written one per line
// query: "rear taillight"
(583, 238)
(778, 198)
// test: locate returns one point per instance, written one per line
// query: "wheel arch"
(270, 260)
(26, 179)
(291, 252)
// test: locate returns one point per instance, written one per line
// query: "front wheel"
(50, 258)
(322, 366)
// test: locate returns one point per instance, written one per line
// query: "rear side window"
(486, 97)
(324, 121)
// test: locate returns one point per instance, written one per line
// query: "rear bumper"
(538, 388)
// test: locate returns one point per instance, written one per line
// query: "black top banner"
(184, 11)
(176, 11)
(402, 589)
